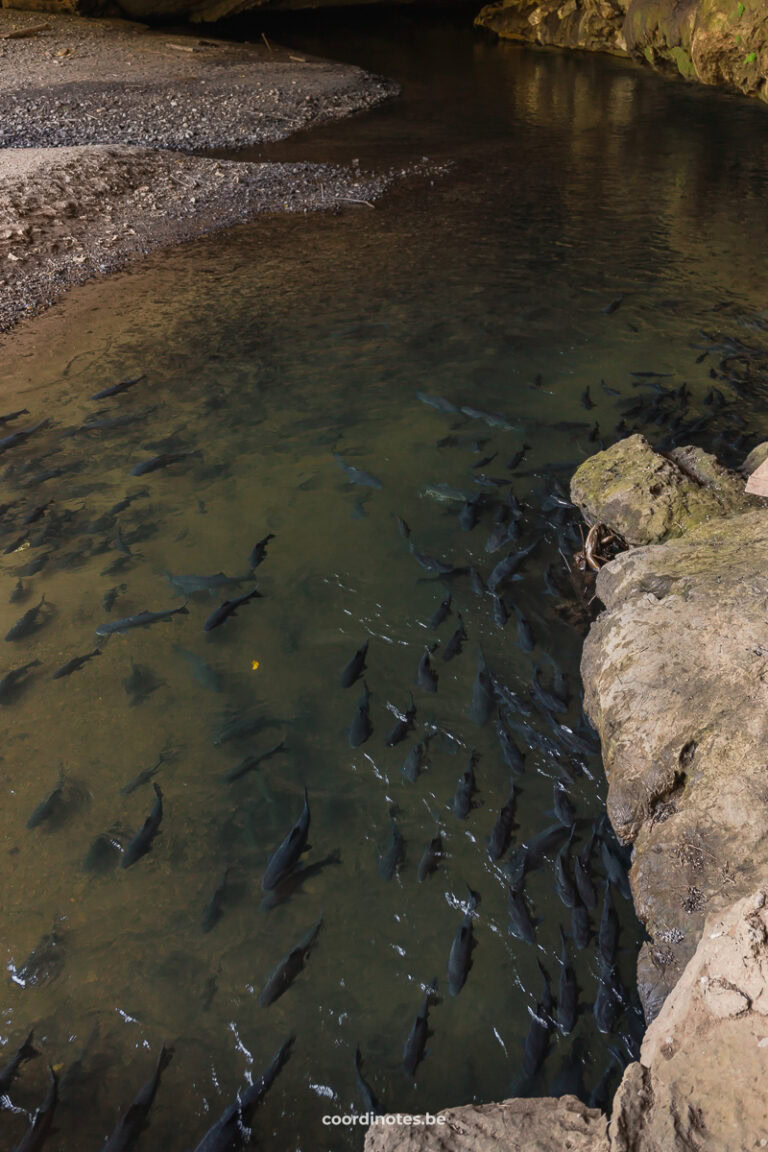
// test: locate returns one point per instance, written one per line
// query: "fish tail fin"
(164, 1059)
(183, 611)
(28, 1050)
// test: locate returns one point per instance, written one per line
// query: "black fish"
(440, 613)
(26, 623)
(478, 584)
(500, 613)
(213, 909)
(42, 1121)
(250, 762)
(49, 807)
(537, 1041)
(469, 513)
(564, 885)
(393, 856)
(567, 999)
(414, 761)
(227, 609)
(143, 777)
(460, 958)
(355, 476)
(498, 841)
(582, 877)
(229, 1132)
(606, 1006)
(259, 551)
(413, 1049)
(563, 805)
(13, 681)
(9, 416)
(44, 962)
(454, 645)
(552, 701)
(142, 841)
(11, 1070)
(430, 859)
(524, 631)
(402, 726)
(521, 922)
(508, 566)
(615, 870)
(608, 933)
(288, 968)
(581, 930)
(123, 386)
(482, 704)
(370, 1104)
(285, 858)
(141, 620)
(361, 728)
(22, 435)
(544, 842)
(75, 664)
(465, 790)
(516, 460)
(511, 754)
(355, 667)
(133, 1122)
(433, 563)
(613, 306)
(162, 460)
(426, 677)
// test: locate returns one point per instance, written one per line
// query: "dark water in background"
(576, 180)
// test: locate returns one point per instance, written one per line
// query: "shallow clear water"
(574, 181)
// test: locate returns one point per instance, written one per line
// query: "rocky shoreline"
(676, 682)
(93, 117)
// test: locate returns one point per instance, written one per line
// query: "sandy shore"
(96, 121)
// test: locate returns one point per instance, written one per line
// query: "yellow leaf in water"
(254, 665)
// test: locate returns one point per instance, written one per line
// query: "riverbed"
(596, 233)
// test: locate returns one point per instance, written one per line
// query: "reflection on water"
(577, 183)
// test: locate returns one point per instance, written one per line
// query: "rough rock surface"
(545, 1125)
(713, 41)
(647, 497)
(700, 1082)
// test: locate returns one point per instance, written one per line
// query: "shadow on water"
(596, 222)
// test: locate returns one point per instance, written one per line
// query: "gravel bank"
(84, 81)
(97, 119)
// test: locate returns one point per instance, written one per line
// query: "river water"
(595, 221)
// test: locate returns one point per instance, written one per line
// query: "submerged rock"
(545, 1125)
(648, 497)
(700, 1081)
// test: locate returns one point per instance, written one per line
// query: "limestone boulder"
(648, 497)
(545, 1125)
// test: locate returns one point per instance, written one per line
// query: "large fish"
(391, 859)
(227, 609)
(141, 620)
(229, 1132)
(361, 728)
(289, 967)
(26, 623)
(567, 999)
(500, 837)
(133, 1122)
(460, 958)
(141, 843)
(116, 389)
(370, 1105)
(162, 460)
(11, 1070)
(430, 859)
(75, 664)
(465, 790)
(287, 855)
(481, 706)
(13, 681)
(521, 922)
(414, 1047)
(42, 1121)
(356, 476)
(354, 668)
(403, 725)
